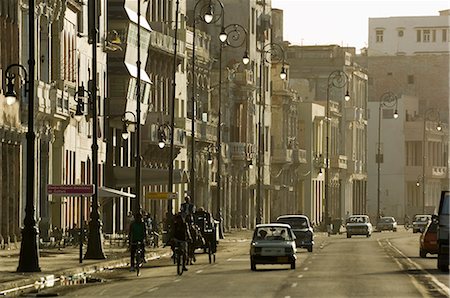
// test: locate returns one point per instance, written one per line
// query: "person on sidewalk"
(187, 208)
(181, 236)
(137, 234)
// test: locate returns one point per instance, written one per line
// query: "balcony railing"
(282, 156)
(338, 161)
(165, 43)
(240, 151)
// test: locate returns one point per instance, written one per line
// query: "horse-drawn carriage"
(206, 226)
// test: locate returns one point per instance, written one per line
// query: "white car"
(359, 225)
(273, 244)
(420, 222)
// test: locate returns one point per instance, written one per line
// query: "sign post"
(73, 190)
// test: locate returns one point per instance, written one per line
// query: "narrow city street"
(384, 265)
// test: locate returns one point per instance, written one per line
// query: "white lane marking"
(177, 280)
(442, 288)
(300, 276)
(102, 292)
(294, 285)
(287, 296)
(153, 289)
(306, 268)
(199, 271)
(237, 260)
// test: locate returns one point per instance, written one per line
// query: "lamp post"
(172, 108)
(387, 100)
(338, 79)
(209, 15)
(94, 246)
(29, 254)
(277, 53)
(432, 115)
(236, 37)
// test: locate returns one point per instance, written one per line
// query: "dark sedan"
(302, 229)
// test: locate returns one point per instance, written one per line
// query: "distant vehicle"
(387, 223)
(358, 225)
(420, 222)
(443, 219)
(273, 244)
(428, 240)
(302, 229)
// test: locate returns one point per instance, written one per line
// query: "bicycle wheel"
(180, 262)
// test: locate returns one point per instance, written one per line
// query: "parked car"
(443, 233)
(358, 225)
(273, 244)
(428, 240)
(302, 229)
(387, 223)
(420, 222)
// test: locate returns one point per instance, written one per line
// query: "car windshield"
(295, 223)
(272, 233)
(387, 219)
(421, 218)
(357, 219)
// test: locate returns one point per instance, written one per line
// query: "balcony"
(165, 43)
(436, 172)
(338, 161)
(354, 114)
(240, 151)
(299, 156)
(282, 156)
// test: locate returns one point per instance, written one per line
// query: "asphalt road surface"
(384, 265)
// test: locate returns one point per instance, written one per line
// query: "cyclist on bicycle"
(137, 234)
(181, 236)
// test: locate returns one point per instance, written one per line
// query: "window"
(379, 35)
(419, 35)
(433, 35)
(410, 79)
(426, 35)
(400, 33)
(444, 35)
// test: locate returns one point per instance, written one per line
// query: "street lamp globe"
(395, 114)
(209, 15)
(439, 126)
(283, 74)
(10, 94)
(245, 59)
(347, 96)
(161, 144)
(223, 36)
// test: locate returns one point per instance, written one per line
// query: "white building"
(409, 35)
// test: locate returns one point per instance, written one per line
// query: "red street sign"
(70, 189)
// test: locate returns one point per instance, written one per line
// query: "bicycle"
(179, 256)
(139, 257)
(407, 226)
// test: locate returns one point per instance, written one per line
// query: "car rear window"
(357, 219)
(272, 233)
(295, 223)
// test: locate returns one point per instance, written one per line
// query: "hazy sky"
(315, 22)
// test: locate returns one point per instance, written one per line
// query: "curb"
(71, 275)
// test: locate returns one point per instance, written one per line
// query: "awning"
(133, 16)
(125, 176)
(132, 69)
(106, 192)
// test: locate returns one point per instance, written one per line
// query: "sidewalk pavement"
(63, 263)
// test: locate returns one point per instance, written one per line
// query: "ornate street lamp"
(29, 255)
(277, 54)
(209, 12)
(172, 108)
(387, 100)
(236, 36)
(127, 123)
(162, 134)
(94, 246)
(430, 115)
(337, 79)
